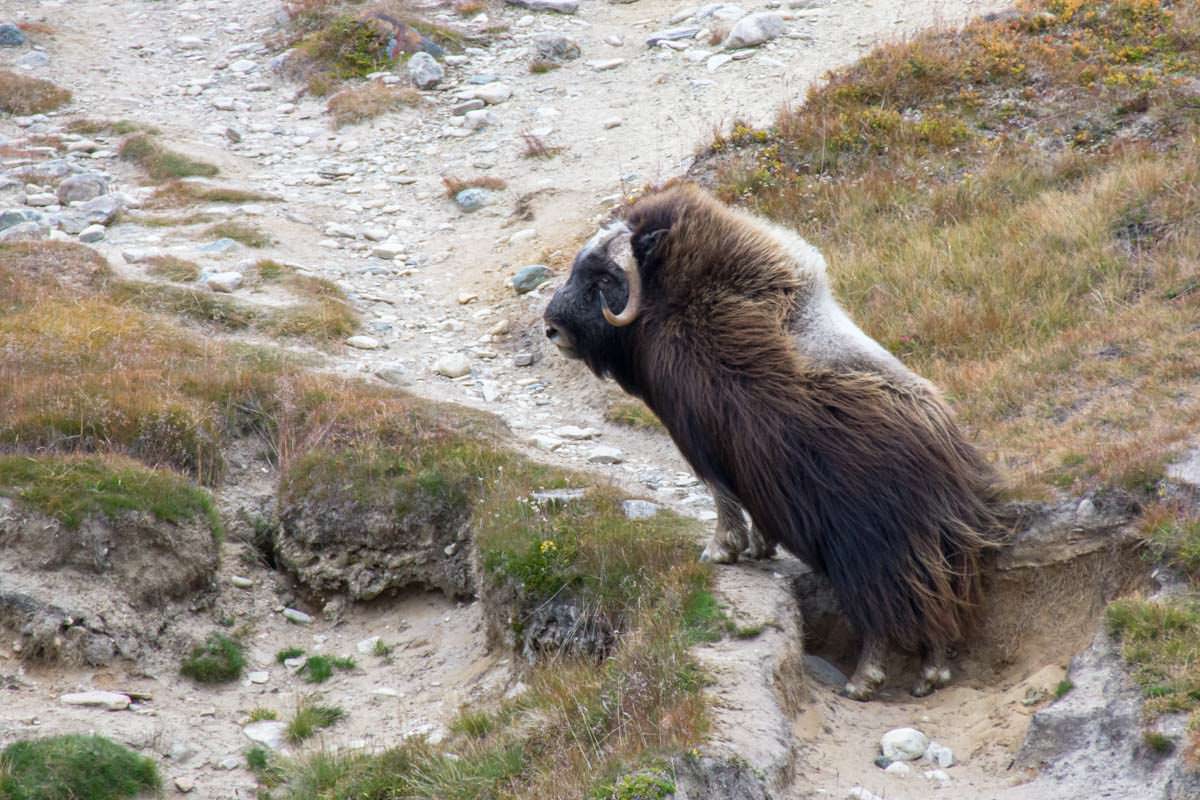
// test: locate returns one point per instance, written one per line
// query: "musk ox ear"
(646, 246)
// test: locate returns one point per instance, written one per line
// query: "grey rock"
(482, 79)
(561, 6)
(859, 793)
(92, 233)
(903, 744)
(34, 59)
(41, 200)
(523, 359)
(222, 245)
(297, 616)
(112, 701)
(11, 35)
(479, 118)
(242, 66)
(605, 454)
(241, 582)
(16, 216)
(467, 105)
(823, 671)
(49, 172)
(755, 29)
(184, 783)
(711, 778)
(575, 433)
(394, 374)
(229, 762)
(364, 342)
(555, 47)
(898, 768)
(101, 210)
(453, 365)
(267, 732)
(939, 754)
(671, 35)
(473, 199)
(1186, 470)
(529, 278)
(726, 12)
(424, 71)
(25, 231)
(224, 281)
(258, 676)
(640, 509)
(69, 222)
(493, 93)
(558, 496)
(181, 751)
(605, 64)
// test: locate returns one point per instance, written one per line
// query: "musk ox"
(724, 324)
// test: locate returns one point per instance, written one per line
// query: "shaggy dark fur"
(862, 476)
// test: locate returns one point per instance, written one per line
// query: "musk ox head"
(580, 318)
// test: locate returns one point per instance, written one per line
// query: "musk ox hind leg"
(868, 675)
(733, 538)
(934, 672)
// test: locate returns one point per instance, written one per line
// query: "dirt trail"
(127, 60)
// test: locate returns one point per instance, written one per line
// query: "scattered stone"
(904, 744)
(34, 59)
(640, 509)
(754, 29)
(611, 122)
(388, 250)
(242, 66)
(108, 700)
(24, 231)
(473, 199)
(529, 278)
(185, 784)
(859, 793)
(605, 454)
(939, 754)
(424, 71)
(267, 732)
(464, 298)
(92, 233)
(823, 672)
(883, 762)
(501, 327)
(297, 616)
(453, 365)
(17, 216)
(544, 442)
(575, 433)
(715, 62)
(493, 93)
(225, 282)
(898, 768)
(229, 762)
(614, 40)
(223, 103)
(367, 646)
(222, 245)
(11, 35)
(393, 374)
(364, 342)
(555, 47)
(189, 43)
(181, 752)
(605, 64)
(241, 582)
(671, 35)
(937, 775)
(523, 359)
(561, 6)
(101, 210)
(479, 118)
(474, 104)
(41, 200)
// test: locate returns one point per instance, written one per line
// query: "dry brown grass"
(244, 232)
(455, 185)
(38, 28)
(178, 193)
(373, 99)
(469, 8)
(161, 164)
(172, 268)
(536, 147)
(997, 213)
(22, 95)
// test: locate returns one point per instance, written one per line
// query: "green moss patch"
(70, 489)
(74, 768)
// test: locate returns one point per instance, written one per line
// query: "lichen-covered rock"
(707, 778)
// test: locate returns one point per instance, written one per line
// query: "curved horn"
(633, 304)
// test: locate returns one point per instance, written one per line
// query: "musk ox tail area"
(862, 473)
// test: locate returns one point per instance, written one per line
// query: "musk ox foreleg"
(934, 672)
(868, 675)
(733, 538)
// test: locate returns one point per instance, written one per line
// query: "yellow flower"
(548, 546)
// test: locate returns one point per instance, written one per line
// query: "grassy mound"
(74, 768)
(219, 659)
(23, 95)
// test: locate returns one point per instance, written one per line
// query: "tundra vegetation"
(24, 95)
(74, 768)
(1014, 210)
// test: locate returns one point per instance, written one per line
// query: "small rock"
(605, 454)
(904, 744)
(108, 700)
(424, 70)
(34, 59)
(523, 359)
(859, 793)
(229, 762)
(92, 233)
(479, 118)
(387, 250)
(241, 582)
(11, 35)
(473, 199)
(222, 245)
(529, 278)
(297, 616)
(939, 754)
(883, 762)
(605, 64)
(364, 342)
(367, 646)
(224, 281)
(181, 752)
(189, 43)
(24, 231)
(611, 122)
(555, 47)
(242, 66)
(639, 509)
(523, 235)
(715, 62)
(937, 775)
(453, 365)
(474, 104)
(102, 210)
(393, 374)
(824, 672)
(267, 732)
(898, 768)
(670, 35)
(41, 200)
(465, 298)
(754, 29)
(258, 676)
(561, 6)
(223, 103)
(575, 433)
(185, 784)
(493, 93)
(501, 327)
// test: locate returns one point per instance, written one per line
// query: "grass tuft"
(288, 653)
(311, 717)
(633, 414)
(74, 767)
(22, 95)
(536, 147)
(247, 234)
(219, 659)
(360, 103)
(318, 669)
(259, 714)
(177, 193)
(172, 268)
(1063, 688)
(159, 163)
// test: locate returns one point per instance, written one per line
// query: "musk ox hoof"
(758, 548)
(718, 552)
(931, 678)
(859, 691)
